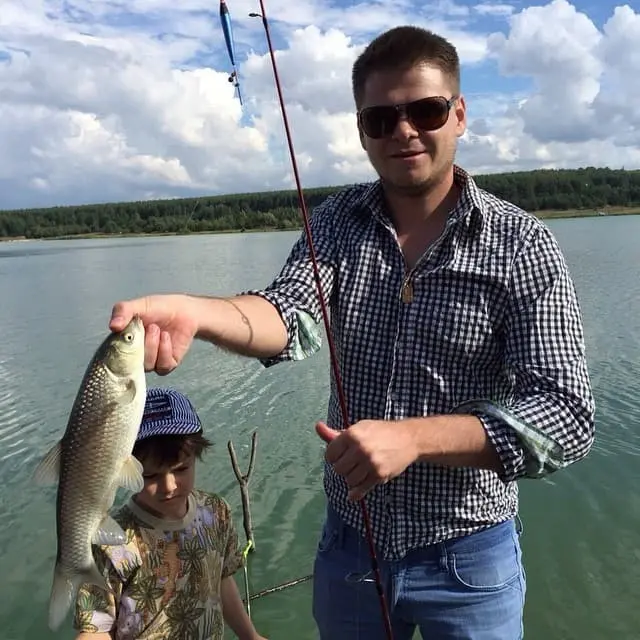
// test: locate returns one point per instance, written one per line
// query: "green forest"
(547, 193)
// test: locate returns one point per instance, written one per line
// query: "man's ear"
(460, 110)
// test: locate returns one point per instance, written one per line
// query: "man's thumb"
(120, 315)
(326, 433)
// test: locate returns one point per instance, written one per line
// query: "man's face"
(166, 489)
(410, 160)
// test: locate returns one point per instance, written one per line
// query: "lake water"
(581, 542)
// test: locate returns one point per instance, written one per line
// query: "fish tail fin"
(64, 591)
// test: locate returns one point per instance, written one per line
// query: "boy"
(173, 579)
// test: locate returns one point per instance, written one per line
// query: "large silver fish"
(92, 460)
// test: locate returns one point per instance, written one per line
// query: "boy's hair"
(402, 48)
(168, 450)
(170, 429)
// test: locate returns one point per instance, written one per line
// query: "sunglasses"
(427, 114)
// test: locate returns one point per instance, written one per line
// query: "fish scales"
(94, 438)
(92, 459)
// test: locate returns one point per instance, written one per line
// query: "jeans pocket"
(488, 569)
(328, 538)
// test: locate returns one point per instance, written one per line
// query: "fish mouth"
(136, 321)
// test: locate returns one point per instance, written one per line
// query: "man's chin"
(409, 187)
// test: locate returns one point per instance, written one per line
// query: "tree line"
(545, 192)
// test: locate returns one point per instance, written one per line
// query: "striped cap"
(168, 412)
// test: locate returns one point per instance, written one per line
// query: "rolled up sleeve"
(547, 422)
(294, 291)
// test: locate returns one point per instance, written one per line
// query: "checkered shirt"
(492, 328)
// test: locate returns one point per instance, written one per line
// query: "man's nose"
(404, 128)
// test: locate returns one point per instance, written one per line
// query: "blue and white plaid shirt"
(486, 323)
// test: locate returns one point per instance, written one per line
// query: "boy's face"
(166, 489)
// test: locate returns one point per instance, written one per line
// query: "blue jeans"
(469, 588)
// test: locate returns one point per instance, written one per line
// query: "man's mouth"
(407, 154)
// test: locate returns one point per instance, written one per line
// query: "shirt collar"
(163, 524)
(471, 208)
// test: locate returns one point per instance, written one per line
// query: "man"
(461, 353)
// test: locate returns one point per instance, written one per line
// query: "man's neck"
(427, 209)
(420, 219)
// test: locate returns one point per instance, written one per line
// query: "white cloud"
(490, 9)
(104, 100)
(583, 104)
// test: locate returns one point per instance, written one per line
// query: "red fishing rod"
(334, 360)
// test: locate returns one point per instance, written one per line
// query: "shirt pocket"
(461, 330)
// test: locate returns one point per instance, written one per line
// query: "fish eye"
(128, 337)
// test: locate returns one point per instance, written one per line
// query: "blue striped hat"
(168, 412)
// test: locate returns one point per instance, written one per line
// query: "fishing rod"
(325, 316)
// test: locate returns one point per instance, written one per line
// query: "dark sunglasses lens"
(378, 122)
(428, 114)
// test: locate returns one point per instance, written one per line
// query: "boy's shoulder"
(214, 503)
(209, 499)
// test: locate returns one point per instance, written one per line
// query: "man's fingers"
(357, 476)
(360, 491)
(348, 464)
(165, 362)
(151, 346)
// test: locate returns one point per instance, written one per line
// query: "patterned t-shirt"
(166, 578)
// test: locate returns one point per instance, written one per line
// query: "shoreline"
(543, 215)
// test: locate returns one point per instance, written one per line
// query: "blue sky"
(104, 100)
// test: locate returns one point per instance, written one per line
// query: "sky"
(121, 100)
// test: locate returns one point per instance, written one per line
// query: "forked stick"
(243, 481)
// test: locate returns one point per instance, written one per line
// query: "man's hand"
(369, 453)
(170, 323)
(247, 325)
(372, 452)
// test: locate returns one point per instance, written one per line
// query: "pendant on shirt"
(407, 291)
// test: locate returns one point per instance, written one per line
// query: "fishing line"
(334, 362)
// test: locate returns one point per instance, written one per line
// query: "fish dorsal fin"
(131, 475)
(109, 532)
(48, 470)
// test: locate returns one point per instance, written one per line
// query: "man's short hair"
(402, 48)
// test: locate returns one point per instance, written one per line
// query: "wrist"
(433, 437)
(415, 435)
(202, 311)
(454, 440)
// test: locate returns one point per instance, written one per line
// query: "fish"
(91, 460)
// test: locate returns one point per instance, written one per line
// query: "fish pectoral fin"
(64, 591)
(131, 475)
(48, 470)
(109, 532)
